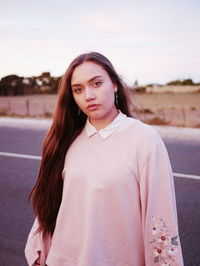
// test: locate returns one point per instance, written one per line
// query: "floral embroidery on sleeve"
(165, 247)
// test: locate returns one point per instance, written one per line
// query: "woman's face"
(93, 91)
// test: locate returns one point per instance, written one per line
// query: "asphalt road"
(17, 176)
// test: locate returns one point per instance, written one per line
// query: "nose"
(89, 94)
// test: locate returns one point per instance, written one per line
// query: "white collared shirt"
(109, 129)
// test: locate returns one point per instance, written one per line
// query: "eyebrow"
(88, 81)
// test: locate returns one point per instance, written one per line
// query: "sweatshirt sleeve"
(158, 209)
(35, 244)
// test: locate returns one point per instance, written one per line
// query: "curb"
(166, 132)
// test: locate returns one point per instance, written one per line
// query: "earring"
(116, 98)
(79, 111)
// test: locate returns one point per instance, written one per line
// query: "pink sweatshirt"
(118, 206)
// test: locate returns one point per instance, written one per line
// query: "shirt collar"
(109, 129)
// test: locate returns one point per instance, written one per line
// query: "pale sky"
(151, 41)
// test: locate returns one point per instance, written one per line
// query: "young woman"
(105, 193)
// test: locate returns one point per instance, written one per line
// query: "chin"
(96, 115)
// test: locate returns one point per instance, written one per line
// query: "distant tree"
(181, 82)
(55, 84)
(187, 82)
(46, 74)
(174, 82)
(11, 85)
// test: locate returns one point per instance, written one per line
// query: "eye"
(77, 90)
(97, 83)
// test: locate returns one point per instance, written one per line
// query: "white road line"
(187, 176)
(17, 155)
(33, 157)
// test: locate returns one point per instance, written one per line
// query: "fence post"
(27, 107)
(184, 117)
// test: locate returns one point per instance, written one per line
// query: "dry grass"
(178, 109)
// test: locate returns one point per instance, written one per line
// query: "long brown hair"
(46, 195)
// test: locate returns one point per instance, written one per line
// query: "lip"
(92, 106)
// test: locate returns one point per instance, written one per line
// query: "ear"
(115, 87)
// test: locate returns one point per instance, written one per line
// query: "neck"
(102, 123)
